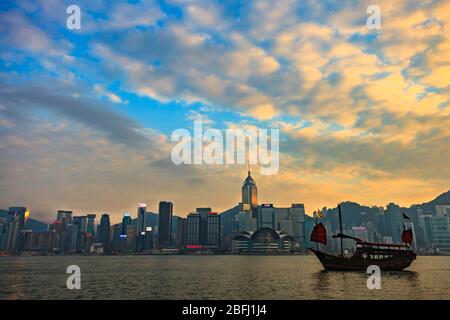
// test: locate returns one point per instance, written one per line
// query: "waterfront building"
(141, 223)
(424, 221)
(442, 210)
(288, 220)
(72, 237)
(266, 216)
(13, 233)
(193, 229)
(395, 221)
(165, 224)
(20, 213)
(203, 228)
(250, 192)
(130, 243)
(90, 231)
(263, 241)
(64, 216)
(441, 234)
(104, 231)
(3, 233)
(181, 234)
(246, 221)
(81, 221)
(126, 221)
(213, 230)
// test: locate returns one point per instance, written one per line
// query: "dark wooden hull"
(357, 262)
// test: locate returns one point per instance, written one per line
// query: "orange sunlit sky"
(86, 115)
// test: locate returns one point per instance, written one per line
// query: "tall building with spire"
(249, 192)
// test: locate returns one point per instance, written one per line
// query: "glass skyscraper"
(165, 224)
(250, 192)
(193, 229)
(104, 230)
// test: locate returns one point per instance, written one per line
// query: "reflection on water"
(214, 277)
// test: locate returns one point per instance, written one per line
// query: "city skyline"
(118, 216)
(86, 115)
(239, 230)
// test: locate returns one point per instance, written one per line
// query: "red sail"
(319, 234)
(407, 236)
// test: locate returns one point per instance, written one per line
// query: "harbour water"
(214, 277)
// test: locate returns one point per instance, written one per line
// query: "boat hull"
(358, 263)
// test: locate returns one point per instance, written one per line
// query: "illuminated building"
(140, 226)
(126, 221)
(22, 213)
(250, 192)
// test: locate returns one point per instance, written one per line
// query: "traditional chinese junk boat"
(386, 256)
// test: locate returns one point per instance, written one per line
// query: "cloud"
(111, 96)
(20, 100)
(364, 113)
(17, 31)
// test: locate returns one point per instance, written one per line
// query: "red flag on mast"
(319, 234)
(407, 236)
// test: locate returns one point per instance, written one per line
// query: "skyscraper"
(12, 239)
(3, 233)
(140, 227)
(165, 224)
(203, 213)
(81, 221)
(266, 216)
(441, 234)
(21, 213)
(126, 221)
(17, 217)
(213, 230)
(142, 208)
(394, 215)
(104, 230)
(193, 228)
(181, 232)
(64, 216)
(250, 192)
(90, 225)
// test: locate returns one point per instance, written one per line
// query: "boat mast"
(315, 218)
(340, 229)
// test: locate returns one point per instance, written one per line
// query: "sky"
(86, 115)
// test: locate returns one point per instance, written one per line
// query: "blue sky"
(357, 108)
